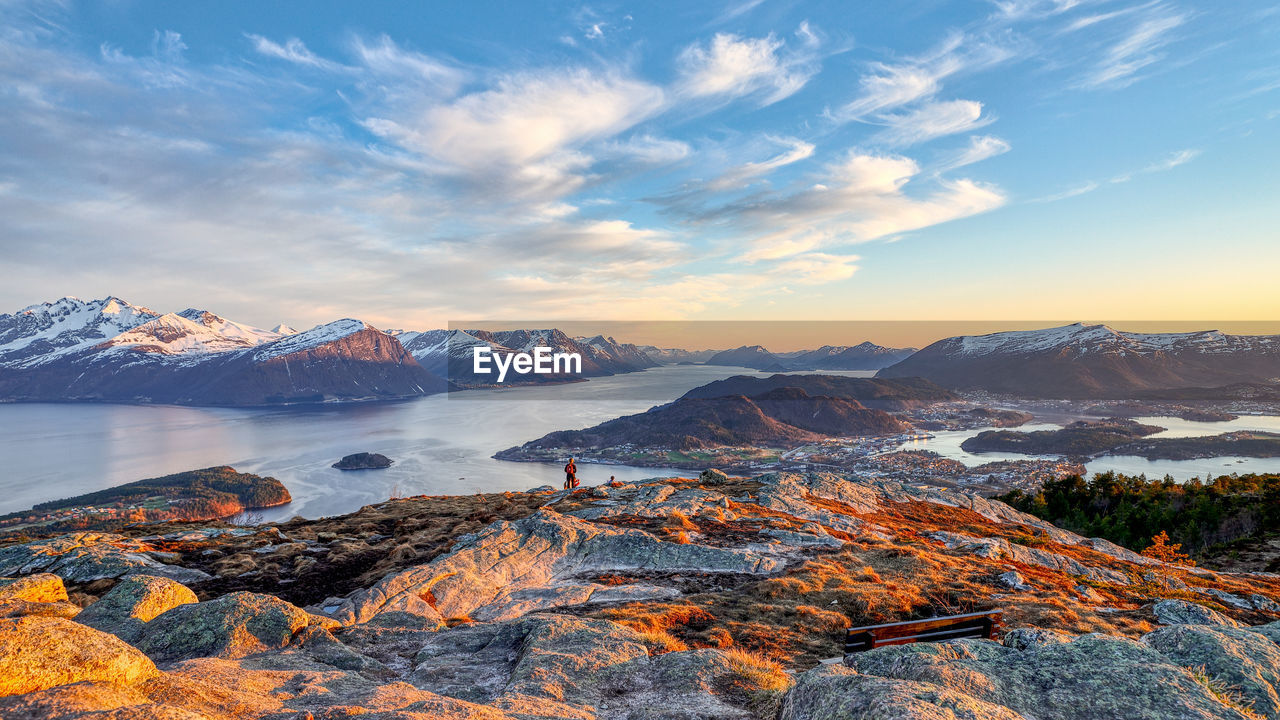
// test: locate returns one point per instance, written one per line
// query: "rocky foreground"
(707, 598)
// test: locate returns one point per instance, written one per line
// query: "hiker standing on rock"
(570, 475)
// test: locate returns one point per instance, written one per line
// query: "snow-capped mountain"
(41, 333)
(675, 355)
(449, 353)
(1093, 361)
(863, 356)
(752, 356)
(111, 351)
(188, 335)
(866, 356)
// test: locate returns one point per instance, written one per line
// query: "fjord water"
(947, 444)
(441, 444)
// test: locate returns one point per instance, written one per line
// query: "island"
(212, 493)
(1081, 438)
(1116, 436)
(363, 461)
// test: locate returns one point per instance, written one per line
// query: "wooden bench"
(979, 625)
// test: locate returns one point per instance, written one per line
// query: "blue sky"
(415, 163)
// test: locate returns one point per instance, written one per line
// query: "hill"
(783, 417)
(1093, 361)
(892, 394)
(196, 495)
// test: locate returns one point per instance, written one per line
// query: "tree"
(1161, 549)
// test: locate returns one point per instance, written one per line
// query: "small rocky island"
(363, 461)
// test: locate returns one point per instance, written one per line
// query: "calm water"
(441, 444)
(947, 444)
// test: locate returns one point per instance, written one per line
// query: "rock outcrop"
(231, 626)
(667, 598)
(513, 568)
(85, 557)
(133, 602)
(37, 653)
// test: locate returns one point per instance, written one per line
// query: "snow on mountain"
(1083, 339)
(1094, 361)
(230, 329)
(316, 336)
(40, 333)
(283, 329)
(179, 334)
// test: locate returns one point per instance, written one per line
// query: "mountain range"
(1093, 361)
(449, 353)
(864, 356)
(110, 350)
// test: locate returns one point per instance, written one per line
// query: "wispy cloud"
(1173, 160)
(730, 66)
(981, 147)
(1140, 47)
(932, 120)
(293, 50)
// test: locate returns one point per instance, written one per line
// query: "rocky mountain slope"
(705, 598)
(111, 351)
(1093, 361)
(783, 417)
(896, 394)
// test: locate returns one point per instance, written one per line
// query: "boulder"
(26, 608)
(1014, 581)
(38, 588)
(1181, 612)
(37, 653)
(85, 557)
(712, 476)
(832, 692)
(1247, 663)
(134, 601)
(1090, 677)
(1026, 638)
(101, 701)
(231, 626)
(551, 656)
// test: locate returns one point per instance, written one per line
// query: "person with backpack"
(570, 475)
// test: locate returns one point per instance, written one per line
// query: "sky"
(410, 164)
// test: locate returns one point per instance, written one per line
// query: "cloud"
(1136, 50)
(294, 51)
(1174, 159)
(1181, 157)
(981, 147)
(524, 135)
(731, 66)
(932, 120)
(861, 197)
(890, 86)
(424, 188)
(794, 150)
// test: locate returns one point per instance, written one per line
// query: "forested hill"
(1131, 511)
